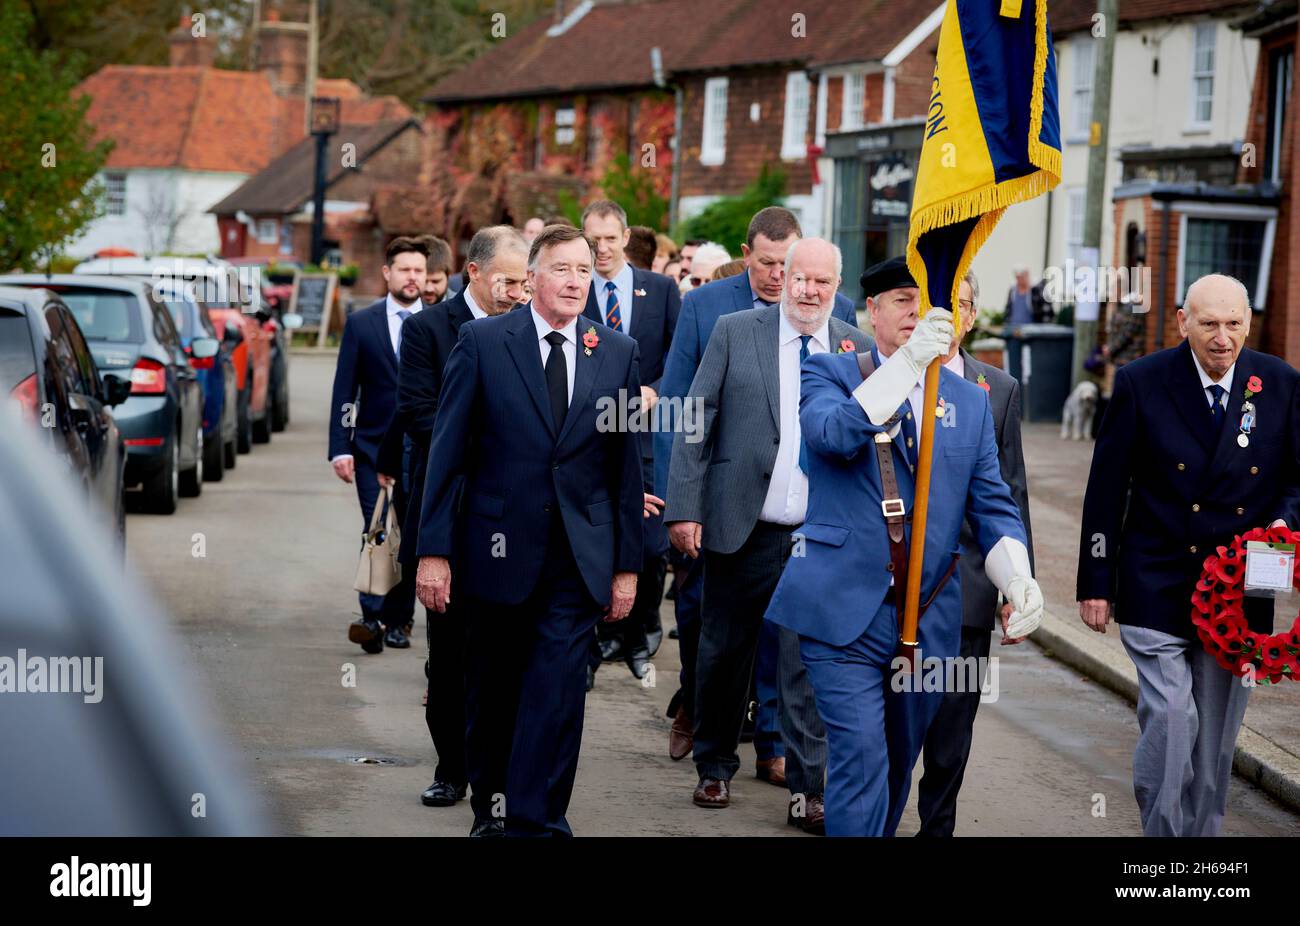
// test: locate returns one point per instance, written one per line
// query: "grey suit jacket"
(721, 480)
(978, 594)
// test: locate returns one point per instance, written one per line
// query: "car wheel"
(244, 428)
(214, 459)
(229, 453)
(192, 479)
(262, 429)
(162, 489)
(280, 411)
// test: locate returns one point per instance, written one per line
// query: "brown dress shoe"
(771, 770)
(712, 793)
(681, 738)
(812, 819)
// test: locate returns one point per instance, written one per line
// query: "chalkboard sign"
(313, 299)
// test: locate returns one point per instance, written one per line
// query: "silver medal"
(1243, 440)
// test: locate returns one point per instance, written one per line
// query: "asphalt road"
(263, 614)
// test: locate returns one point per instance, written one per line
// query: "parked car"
(216, 376)
(47, 368)
(219, 283)
(131, 334)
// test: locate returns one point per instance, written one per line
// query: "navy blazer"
(498, 472)
(1164, 492)
(366, 377)
(654, 318)
(427, 340)
(701, 310)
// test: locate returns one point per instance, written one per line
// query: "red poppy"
(847, 346)
(1254, 385)
(590, 340)
(986, 387)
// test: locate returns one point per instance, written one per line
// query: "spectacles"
(965, 305)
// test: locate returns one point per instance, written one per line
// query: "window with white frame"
(565, 118)
(713, 137)
(1075, 207)
(851, 109)
(267, 231)
(115, 193)
(1085, 60)
(794, 142)
(1202, 100)
(1238, 242)
(1283, 65)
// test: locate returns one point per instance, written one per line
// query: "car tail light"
(202, 363)
(143, 441)
(148, 377)
(25, 395)
(270, 326)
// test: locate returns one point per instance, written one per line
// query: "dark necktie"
(557, 379)
(803, 355)
(612, 317)
(909, 433)
(402, 314)
(1217, 411)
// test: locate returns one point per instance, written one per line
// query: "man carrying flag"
(855, 595)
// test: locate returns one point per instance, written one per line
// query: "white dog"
(1080, 407)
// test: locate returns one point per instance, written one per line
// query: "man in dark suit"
(767, 242)
(535, 505)
(362, 403)
(948, 740)
(496, 267)
(438, 275)
(644, 305)
(1178, 469)
(739, 491)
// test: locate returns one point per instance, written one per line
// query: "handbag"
(378, 570)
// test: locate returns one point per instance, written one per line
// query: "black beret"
(888, 274)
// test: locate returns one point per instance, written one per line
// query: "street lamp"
(324, 123)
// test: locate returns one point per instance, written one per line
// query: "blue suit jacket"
(654, 319)
(498, 471)
(701, 310)
(1155, 458)
(366, 375)
(835, 588)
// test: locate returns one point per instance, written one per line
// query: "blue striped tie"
(612, 318)
(1217, 411)
(403, 314)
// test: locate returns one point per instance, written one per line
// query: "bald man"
(1182, 463)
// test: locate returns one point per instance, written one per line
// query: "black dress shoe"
(674, 635)
(639, 662)
(611, 649)
(653, 639)
(591, 678)
(442, 794)
(396, 638)
(488, 828)
(369, 633)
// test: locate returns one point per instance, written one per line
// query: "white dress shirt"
(787, 493)
(392, 306)
(473, 306)
(570, 346)
(1206, 382)
(623, 286)
(957, 364)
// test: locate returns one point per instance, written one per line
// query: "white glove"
(881, 393)
(1007, 567)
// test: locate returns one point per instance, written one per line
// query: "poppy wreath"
(1220, 619)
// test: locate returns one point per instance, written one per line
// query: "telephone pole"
(1105, 25)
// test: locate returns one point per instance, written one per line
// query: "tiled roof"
(200, 118)
(286, 183)
(691, 36)
(1065, 16)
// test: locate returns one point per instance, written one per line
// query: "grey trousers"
(1189, 712)
(802, 731)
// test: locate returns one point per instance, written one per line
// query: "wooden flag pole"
(920, 508)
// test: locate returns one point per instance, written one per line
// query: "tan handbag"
(378, 571)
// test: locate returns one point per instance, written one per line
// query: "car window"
(104, 314)
(163, 328)
(17, 355)
(61, 355)
(85, 360)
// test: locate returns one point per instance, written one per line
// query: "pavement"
(334, 740)
(1268, 747)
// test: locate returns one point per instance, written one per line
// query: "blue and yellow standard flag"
(992, 136)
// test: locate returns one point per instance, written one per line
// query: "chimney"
(282, 54)
(188, 50)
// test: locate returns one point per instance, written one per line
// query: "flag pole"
(920, 509)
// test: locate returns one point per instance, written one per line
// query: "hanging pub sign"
(891, 190)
